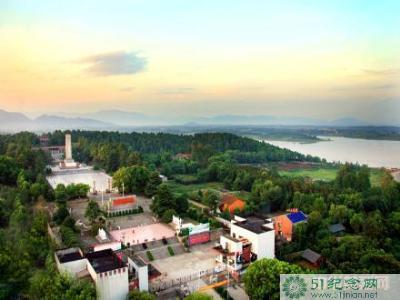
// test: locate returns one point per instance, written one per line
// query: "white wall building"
(259, 232)
(142, 271)
(232, 251)
(72, 261)
(106, 269)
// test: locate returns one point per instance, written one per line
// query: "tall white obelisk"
(69, 161)
(68, 148)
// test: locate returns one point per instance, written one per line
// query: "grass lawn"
(179, 188)
(326, 174)
(376, 177)
(329, 174)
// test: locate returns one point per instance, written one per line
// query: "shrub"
(137, 295)
(149, 255)
(167, 216)
(69, 222)
(198, 296)
(184, 232)
(223, 293)
(68, 237)
(61, 214)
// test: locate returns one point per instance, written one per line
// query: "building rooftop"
(138, 261)
(297, 217)
(230, 199)
(335, 228)
(254, 224)
(311, 256)
(104, 260)
(231, 238)
(70, 254)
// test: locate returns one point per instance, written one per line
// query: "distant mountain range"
(125, 120)
(14, 122)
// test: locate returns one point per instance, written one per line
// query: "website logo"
(294, 287)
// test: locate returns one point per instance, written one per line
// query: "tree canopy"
(262, 277)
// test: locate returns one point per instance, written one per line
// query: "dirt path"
(200, 205)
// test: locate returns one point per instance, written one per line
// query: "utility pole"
(102, 197)
(227, 281)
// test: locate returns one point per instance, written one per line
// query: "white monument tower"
(68, 161)
(68, 148)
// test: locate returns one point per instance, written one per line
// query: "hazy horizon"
(177, 58)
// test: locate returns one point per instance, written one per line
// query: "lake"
(374, 153)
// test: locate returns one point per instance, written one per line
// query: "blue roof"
(297, 217)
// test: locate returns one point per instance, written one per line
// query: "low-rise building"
(72, 261)
(231, 204)
(312, 257)
(250, 238)
(336, 228)
(234, 252)
(141, 271)
(258, 231)
(107, 270)
(197, 233)
(286, 223)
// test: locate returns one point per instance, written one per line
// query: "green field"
(179, 188)
(316, 174)
(328, 174)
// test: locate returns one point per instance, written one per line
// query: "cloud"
(178, 90)
(114, 63)
(363, 87)
(126, 89)
(383, 72)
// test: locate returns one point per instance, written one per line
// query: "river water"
(374, 153)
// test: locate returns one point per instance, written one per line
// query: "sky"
(324, 59)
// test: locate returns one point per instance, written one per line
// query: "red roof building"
(231, 203)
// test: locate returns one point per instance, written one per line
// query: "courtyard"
(199, 260)
(96, 180)
(143, 233)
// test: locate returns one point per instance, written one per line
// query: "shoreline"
(375, 154)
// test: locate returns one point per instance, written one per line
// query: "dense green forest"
(304, 134)
(26, 253)
(391, 133)
(110, 150)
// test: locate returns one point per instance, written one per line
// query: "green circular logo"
(294, 287)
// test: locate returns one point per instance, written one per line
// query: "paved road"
(237, 293)
(221, 220)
